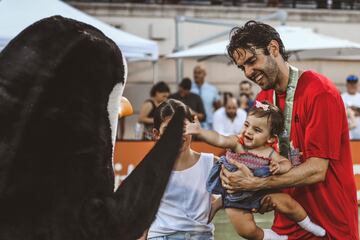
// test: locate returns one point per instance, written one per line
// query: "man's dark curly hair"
(254, 34)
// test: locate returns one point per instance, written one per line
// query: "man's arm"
(313, 170)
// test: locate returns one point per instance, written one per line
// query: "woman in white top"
(185, 206)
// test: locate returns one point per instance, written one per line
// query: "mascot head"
(60, 88)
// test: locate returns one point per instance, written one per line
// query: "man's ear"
(156, 134)
(273, 48)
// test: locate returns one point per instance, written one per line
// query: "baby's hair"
(167, 109)
(272, 113)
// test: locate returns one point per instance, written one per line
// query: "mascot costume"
(60, 88)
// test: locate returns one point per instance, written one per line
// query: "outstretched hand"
(193, 128)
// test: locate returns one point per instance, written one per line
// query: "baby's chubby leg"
(288, 206)
(244, 224)
(293, 210)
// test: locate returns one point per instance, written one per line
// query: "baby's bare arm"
(211, 137)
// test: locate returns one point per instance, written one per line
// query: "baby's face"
(256, 132)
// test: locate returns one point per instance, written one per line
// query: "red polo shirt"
(319, 129)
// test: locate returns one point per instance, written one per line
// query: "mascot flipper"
(60, 84)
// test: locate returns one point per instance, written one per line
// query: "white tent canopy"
(302, 42)
(16, 15)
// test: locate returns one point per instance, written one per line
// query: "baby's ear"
(271, 140)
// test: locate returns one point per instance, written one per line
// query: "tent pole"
(155, 71)
(178, 47)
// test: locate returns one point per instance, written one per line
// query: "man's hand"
(242, 179)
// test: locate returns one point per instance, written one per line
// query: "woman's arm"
(144, 236)
(216, 158)
(144, 112)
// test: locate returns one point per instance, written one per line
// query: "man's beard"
(270, 72)
(231, 115)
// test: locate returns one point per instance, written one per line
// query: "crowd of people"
(228, 116)
(288, 152)
(204, 101)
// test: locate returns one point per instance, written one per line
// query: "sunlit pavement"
(225, 231)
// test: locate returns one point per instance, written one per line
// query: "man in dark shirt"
(192, 100)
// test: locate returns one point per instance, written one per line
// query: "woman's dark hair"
(254, 34)
(159, 87)
(272, 113)
(167, 109)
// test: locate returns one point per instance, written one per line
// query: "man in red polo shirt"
(322, 178)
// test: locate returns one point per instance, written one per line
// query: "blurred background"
(176, 25)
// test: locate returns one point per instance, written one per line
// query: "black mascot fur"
(58, 80)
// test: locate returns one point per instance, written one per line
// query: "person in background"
(316, 139)
(158, 93)
(246, 87)
(229, 120)
(208, 93)
(192, 100)
(244, 100)
(351, 100)
(185, 206)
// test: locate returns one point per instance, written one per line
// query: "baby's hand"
(274, 167)
(193, 128)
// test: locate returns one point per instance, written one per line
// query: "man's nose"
(248, 72)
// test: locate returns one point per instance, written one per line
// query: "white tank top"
(185, 205)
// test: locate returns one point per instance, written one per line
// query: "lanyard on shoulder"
(284, 138)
